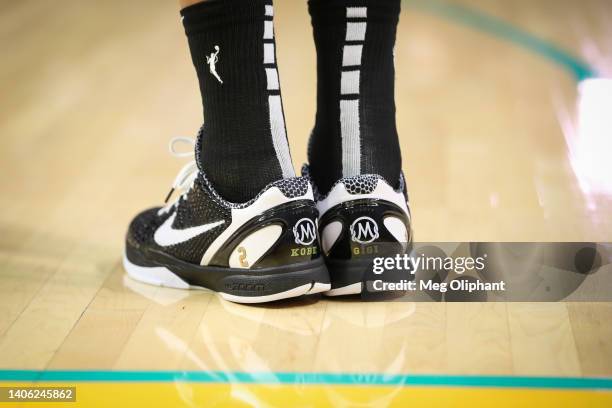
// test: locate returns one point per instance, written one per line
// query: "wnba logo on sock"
(212, 63)
(364, 230)
(305, 231)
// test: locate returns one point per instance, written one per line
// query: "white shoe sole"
(352, 289)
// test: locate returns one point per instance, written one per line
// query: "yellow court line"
(103, 394)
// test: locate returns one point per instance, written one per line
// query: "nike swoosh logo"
(166, 235)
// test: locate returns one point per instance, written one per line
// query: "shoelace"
(186, 176)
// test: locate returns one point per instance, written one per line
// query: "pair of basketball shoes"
(286, 242)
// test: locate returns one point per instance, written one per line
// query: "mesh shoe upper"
(201, 205)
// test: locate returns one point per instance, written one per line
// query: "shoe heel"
(356, 232)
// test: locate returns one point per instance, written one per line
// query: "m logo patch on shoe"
(364, 230)
(305, 231)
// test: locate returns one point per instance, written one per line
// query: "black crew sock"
(355, 131)
(243, 146)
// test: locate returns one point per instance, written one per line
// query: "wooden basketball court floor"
(91, 93)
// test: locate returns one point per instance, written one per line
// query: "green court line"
(505, 31)
(289, 378)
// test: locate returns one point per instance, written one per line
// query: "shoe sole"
(352, 289)
(348, 278)
(354, 278)
(309, 279)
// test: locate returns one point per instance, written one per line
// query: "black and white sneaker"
(362, 217)
(259, 251)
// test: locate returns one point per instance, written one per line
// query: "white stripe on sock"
(349, 82)
(279, 136)
(268, 30)
(275, 105)
(268, 53)
(355, 31)
(351, 143)
(356, 12)
(272, 79)
(351, 55)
